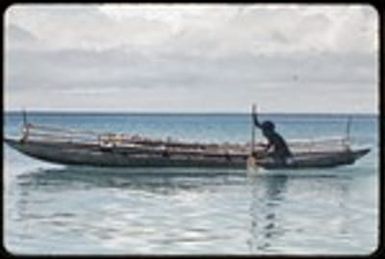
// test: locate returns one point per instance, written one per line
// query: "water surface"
(53, 209)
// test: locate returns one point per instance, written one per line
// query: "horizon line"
(80, 111)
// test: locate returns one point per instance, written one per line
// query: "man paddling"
(280, 151)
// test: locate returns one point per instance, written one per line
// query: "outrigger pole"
(25, 126)
(347, 136)
(349, 122)
(24, 113)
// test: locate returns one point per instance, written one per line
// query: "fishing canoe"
(111, 151)
(89, 148)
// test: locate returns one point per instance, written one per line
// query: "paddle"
(251, 161)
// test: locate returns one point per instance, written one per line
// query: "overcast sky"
(192, 58)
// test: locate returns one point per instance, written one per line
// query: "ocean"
(52, 209)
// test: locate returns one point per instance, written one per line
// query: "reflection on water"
(126, 211)
(273, 205)
(184, 211)
(265, 223)
(152, 180)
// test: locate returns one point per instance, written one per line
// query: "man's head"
(268, 126)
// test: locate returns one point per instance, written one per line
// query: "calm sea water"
(53, 209)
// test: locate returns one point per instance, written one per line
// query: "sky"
(191, 58)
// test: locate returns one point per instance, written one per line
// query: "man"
(280, 151)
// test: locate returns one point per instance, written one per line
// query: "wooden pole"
(252, 129)
(24, 118)
(25, 129)
(347, 136)
(348, 127)
(251, 165)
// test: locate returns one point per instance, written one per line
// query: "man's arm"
(268, 146)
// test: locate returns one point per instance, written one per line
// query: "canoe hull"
(316, 160)
(69, 154)
(94, 155)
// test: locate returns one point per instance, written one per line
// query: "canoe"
(89, 148)
(150, 155)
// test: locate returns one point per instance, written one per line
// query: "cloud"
(232, 54)
(17, 34)
(202, 29)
